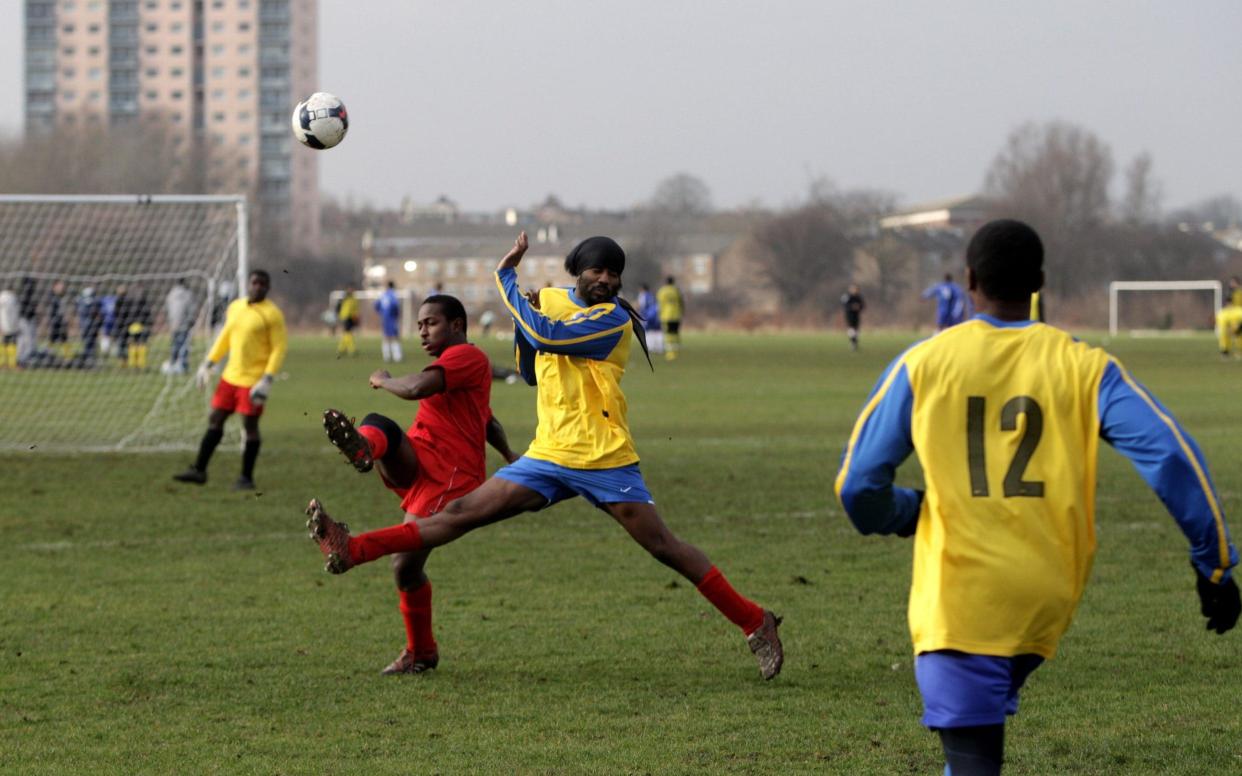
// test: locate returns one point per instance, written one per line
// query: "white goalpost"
(107, 305)
(1117, 287)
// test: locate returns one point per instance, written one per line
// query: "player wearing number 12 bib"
(1005, 415)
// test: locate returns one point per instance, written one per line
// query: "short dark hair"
(451, 306)
(261, 273)
(1007, 258)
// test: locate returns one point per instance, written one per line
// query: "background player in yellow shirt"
(574, 344)
(672, 308)
(347, 316)
(1229, 328)
(255, 342)
(1005, 415)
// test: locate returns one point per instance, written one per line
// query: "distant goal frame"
(1117, 286)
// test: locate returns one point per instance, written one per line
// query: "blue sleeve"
(593, 334)
(1167, 458)
(880, 442)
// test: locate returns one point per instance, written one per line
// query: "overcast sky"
(497, 103)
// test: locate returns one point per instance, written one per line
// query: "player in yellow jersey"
(1229, 328)
(1005, 415)
(347, 316)
(672, 308)
(254, 339)
(573, 344)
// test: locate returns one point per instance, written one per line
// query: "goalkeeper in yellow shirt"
(255, 342)
(1005, 415)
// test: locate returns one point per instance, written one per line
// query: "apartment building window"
(94, 96)
(68, 51)
(94, 51)
(177, 72)
(217, 72)
(68, 95)
(93, 29)
(177, 95)
(95, 73)
(243, 72)
(177, 49)
(217, 26)
(218, 117)
(152, 72)
(68, 72)
(152, 27)
(67, 29)
(176, 27)
(152, 96)
(243, 27)
(152, 50)
(217, 50)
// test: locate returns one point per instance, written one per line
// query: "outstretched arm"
(497, 438)
(411, 387)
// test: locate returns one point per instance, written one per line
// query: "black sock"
(392, 432)
(249, 455)
(974, 751)
(207, 447)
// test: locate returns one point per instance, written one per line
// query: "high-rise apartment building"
(224, 75)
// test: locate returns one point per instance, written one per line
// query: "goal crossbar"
(1117, 286)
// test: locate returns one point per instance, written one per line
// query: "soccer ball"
(320, 121)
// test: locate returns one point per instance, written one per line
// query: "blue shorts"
(964, 690)
(598, 486)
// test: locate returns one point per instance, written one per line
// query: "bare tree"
(682, 195)
(1142, 199)
(803, 250)
(1056, 177)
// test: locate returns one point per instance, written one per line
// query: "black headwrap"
(595, 252)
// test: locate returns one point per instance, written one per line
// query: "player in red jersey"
(439, 458)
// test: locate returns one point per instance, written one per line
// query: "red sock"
(375, 438)
(366, 547)
(415, 607)
(740, 611)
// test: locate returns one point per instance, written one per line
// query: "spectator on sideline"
(1005, 415)
(9, 320)
(179, 312)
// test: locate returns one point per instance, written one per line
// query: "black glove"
(1221, 603)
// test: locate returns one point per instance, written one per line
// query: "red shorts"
(439, 481)
(234, 398)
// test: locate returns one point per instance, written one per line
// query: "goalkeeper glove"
(1219, 603)
(258, 392)
(202, 378)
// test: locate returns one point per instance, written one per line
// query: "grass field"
(150, 627)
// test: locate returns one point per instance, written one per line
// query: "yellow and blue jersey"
(254, 339)
(579, 356)
(1006, 418)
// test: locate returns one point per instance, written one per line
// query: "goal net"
(1151, 307)
(107, 305)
